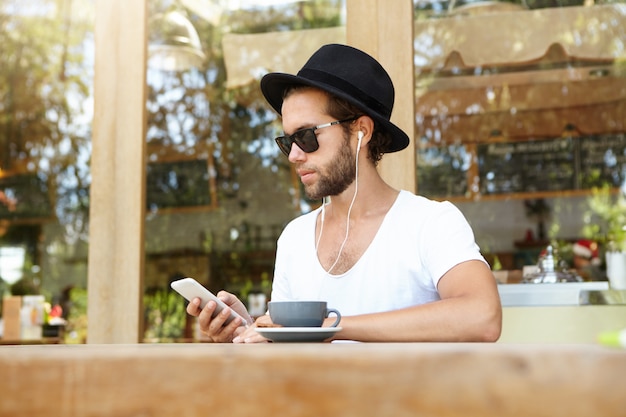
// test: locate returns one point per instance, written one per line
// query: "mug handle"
(337, 313)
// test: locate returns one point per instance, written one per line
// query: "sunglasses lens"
(306, 140)
(284, 143)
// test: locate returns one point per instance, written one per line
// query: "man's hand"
(215, 327)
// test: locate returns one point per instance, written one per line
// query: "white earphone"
(360, 136)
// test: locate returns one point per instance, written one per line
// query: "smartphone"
(190, 289)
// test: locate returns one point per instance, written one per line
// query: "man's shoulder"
(301, 222)
(422, 211)
(413, 201)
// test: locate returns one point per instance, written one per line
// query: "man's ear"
(365, 128)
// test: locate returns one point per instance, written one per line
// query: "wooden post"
(116, 227)
(384, 29)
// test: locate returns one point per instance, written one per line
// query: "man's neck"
(374, 197)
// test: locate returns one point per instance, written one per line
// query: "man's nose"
(296, 154)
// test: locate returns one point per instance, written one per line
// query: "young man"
(399, 267)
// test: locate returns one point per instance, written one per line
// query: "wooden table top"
(345, 379)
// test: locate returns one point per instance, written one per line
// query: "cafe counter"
(342, 379)
(560, 312)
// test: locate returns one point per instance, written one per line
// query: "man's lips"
(306, 175)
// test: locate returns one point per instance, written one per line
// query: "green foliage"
(165, 315)
(606, 218)
(76, 328)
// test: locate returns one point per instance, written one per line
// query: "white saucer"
(297, 334)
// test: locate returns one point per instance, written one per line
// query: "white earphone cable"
(356, 190)
(322, 225)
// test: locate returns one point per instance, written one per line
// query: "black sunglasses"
(306, 139)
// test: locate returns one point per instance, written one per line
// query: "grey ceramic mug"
(301, 313)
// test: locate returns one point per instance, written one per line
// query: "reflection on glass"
(174, 44)
(45, 144)
(533, 83)
(12, 260)
(535, 92)
(219, 191)
(443, 171)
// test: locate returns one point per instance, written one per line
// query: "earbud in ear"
(360, 135)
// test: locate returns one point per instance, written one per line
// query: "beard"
(336, 176)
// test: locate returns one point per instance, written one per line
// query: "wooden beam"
(314, 379)
(384, 29)
(116, 239)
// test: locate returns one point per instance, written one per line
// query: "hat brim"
(273, 86)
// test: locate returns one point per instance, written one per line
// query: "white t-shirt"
(418, 241)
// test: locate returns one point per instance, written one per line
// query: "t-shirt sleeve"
(450, 241)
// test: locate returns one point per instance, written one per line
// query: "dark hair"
(341, 109)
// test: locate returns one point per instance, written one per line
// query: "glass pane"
(45, 146)
(534, 92)
(443, 170)
(218, 189)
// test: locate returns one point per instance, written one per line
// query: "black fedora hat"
(348, 73)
